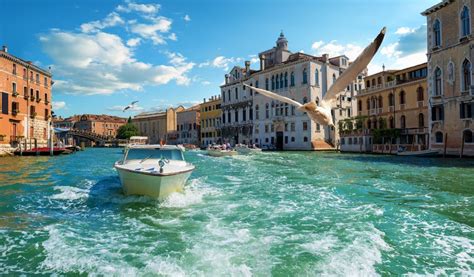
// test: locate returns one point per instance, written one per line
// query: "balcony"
(420, 104)
(15, 94)
(32, 98)
(38, 99)
(25, 96)
(15, 112)
(391, 109)
(46, 101)
(33, 115)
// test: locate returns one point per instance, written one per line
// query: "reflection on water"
(292, 213)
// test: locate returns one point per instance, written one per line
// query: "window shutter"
(470, 112)
(461, 110)
(433, 113)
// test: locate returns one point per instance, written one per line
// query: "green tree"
(126, 131)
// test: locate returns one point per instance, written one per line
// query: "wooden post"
(51, 143)
(445, 143)
(462, 145)
(36, 147)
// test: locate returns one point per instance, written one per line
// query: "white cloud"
(154, 30)
(205, 83)
(204, 64)
(187, 18)
(141, 8)
(391, 50)
(134, 42)
(404, 30)
(100, 63)
(113, 19)
(335, 49)
(58, 105)
(173, 37)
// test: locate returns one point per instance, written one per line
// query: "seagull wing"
(134, 102)
(275, 96)
(126, 108)
(350, 74)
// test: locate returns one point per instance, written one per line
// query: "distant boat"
(153, 170)
(221, 152)
(244, 149)
(41, 151)
(421, 153)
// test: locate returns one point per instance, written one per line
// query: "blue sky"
(106, 54)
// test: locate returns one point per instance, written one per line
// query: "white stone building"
(298, 76)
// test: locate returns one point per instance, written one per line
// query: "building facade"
(252, 118)
(25, 101)
(104, 125)
(211, 115)
(450, 57)
(392, 100)
(188, 126)
(158, 126)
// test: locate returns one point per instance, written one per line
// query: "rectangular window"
(14, 69)
(236, 94)
(437, 113)
(236, 116)
(292, 125)
(305, 126)
(4, 103)
(37, 78)
(286, 139)
(266, 128)
(466, 110)
(13, 88)
(244, 115)
(45, 82)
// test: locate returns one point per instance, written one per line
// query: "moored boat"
(153, 170)
(40, 151)
(421, 153)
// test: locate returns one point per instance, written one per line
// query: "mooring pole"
(462, 145)
(445, 143)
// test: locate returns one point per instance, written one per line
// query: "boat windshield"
(154, 154)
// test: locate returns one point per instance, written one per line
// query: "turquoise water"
(282, 214)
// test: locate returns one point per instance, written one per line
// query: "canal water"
(282, 214)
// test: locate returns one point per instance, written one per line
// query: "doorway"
(279, 140)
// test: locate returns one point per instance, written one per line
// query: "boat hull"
(152, 185)
(423, 153)
(246, 150)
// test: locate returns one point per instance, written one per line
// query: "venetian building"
(451, 92)
(298, 76)
(158, 126)
(211, 115)
(188, 126)
(25, 101)
(392, 100)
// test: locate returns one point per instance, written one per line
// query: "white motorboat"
(221, 152)
(421, 153)
(153, 170)
(244, 149)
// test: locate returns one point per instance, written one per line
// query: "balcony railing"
(26, 96)
(38, 99)
(15, 94)
(32, 97)
(15, 112)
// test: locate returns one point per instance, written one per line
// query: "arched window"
(316, 77)
(273, 82)
(305, 139)
(257, 116)
(421, 120)
(437, 80)
(439, 137)
(373, 82)
(368, 84)
(305, 100)
(467, 134)
(281, 80)
(267, 111)
(466, 75)
(266, 83)
(316, 101)
(402, 97)
(292, 79)
(359, 105)
(286, 79)
(277, 84)
(437, 33)
(228, 95)
(402, 122)
(419, 94)
(465, 22)
(368, 104)
(333, 78)
(391, 122)
(379, 80)
(305, 76)
(391, 99)
(380, 101)
(369, 124)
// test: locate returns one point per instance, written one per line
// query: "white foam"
(322, 245)
(192, 195)
(70, 193)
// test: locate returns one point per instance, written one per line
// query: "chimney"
(325, 58)
(227, 78)
(204, 100)
(247, 68)
(5, 48)
(262, 62)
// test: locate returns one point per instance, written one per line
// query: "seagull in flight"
(322, 114)
(130, 106)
